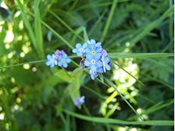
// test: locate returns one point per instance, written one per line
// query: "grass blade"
(112, 85)
(129, 74)
(120, 122)
(105, 31)
(27, 23)
(59, 36)
(38, 29)
(97, 23)
(140, 55)
(65, 24)
(151, 26)
(154, 108)
(21, 64)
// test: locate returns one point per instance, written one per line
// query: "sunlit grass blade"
(120, 122)
(54, 32)
(38, 28)
(151, 26)
(21, 64)
(27, 24)
(139, 55)
(108, 22)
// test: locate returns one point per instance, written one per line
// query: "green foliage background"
(138, 34)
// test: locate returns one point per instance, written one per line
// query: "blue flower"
(79, 101)
(58, 53)
(93, 71)
(93, 42)
(63, 60)
(94, 50)
(80, 50)
(106, 63)
(51, 61)
(104, 53)
(93, 61)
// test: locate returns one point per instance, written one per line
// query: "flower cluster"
(59, 58)
(95, 57)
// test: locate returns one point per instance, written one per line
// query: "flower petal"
(99, 50)
(79, 54)
(48, 63)
(55, 62)
(92, 41)
(100, 70)
(87, 63)
(68, 60)
(48, 57)
(60, 63)
(75, 50)
(51, 65)
(65, 65)
(107, 59)
(99, 64)
(78, 45)
(84, 45)
(89, 56)
(108, 67)
(97, 56)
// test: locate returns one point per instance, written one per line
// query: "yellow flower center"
(63, 60)
(104, 63)
(93, 52)
(51, 61)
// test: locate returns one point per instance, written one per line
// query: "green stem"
(20, 64)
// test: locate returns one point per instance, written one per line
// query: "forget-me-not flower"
(63, 60)
(51, 61)
(93, 42)
(92, 61)
(104, 53)
(80, 49)
(93, 71)
(58, 53)
(93, 50)
(79, 101)
(106, 63)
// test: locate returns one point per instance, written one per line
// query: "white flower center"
(94, 72)
(92, 61)
(81, 50)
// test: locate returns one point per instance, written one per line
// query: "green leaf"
(64, 75)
